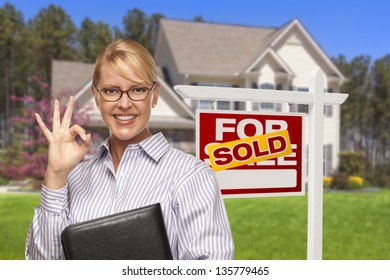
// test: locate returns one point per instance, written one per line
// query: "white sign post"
(316, 98)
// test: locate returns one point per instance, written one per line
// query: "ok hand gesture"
(64, 152)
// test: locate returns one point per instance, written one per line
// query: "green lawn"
(16, 212)
(356, 226)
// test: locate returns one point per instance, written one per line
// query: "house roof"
(69, 77)
(208, 48)
(228, 50)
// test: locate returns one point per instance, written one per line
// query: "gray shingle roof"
(70, 76)
(215, 49)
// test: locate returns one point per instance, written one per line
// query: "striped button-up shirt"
(149, 172)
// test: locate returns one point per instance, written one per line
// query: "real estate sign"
(253, 154)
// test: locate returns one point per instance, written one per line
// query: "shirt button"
(57, 202)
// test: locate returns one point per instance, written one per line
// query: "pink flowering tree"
(29, 146)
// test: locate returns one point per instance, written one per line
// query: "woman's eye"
(139, 90)
(110, 91)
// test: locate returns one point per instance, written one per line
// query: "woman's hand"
(64, 152)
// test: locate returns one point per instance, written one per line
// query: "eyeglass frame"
(126, 91)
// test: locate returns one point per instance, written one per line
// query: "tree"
(135, 23)
(380, 118)
(199, 19)
(354, 111)
(92, 37)
(53, 36)
(12, 66)
(152, 31)
(365, 117)
(29, 146)
(143, 29)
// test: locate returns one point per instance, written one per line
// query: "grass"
(16, 212)
(356, 226)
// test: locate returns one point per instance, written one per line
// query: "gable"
(302, 53)
(293, 53)
(270, 60)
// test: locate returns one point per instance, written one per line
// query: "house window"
(267, 86)
(328, 109)
(224, 105)
(204, 104)
(266, 105)
(303, 108)
(220, 105)
(328, 159)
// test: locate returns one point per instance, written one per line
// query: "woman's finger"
(78, 130)
(88, 141)
(56, 115)
(42, 125)
(67, 118)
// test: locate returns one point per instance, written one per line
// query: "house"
(196, 53)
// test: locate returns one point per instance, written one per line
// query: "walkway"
(15, 189)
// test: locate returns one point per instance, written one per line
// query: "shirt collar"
(155, 146)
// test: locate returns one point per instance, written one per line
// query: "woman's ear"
(95, 96)
(156, 94)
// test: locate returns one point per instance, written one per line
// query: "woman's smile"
(124, 118)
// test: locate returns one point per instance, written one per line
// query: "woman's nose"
(125, 101)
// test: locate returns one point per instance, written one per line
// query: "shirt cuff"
(54, 200)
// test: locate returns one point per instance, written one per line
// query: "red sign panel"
(275, 176)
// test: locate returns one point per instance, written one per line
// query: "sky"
(350, 28)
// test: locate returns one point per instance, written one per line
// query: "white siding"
(163, 109)
(267, 73)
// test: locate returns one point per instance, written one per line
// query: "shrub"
(352, 163)
(339, 181)
(327, 181)
(355, 182)
(3, 180)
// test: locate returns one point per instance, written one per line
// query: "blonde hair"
(126, 52)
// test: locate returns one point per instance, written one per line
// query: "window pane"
(267, 86)
(223, 105)
(267, 105)
(205, 104)
(303, 108)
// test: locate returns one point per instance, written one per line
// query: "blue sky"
(340, 27)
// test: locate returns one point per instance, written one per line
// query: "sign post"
(315, 186)
(316, 99)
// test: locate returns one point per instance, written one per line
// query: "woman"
(132, 168)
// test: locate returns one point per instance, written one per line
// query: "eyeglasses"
(135, 93)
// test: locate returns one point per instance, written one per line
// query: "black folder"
(138, 234)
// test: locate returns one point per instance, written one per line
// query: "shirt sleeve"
(203, 225)
(50, 218)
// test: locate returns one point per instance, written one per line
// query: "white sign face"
(253, 154)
